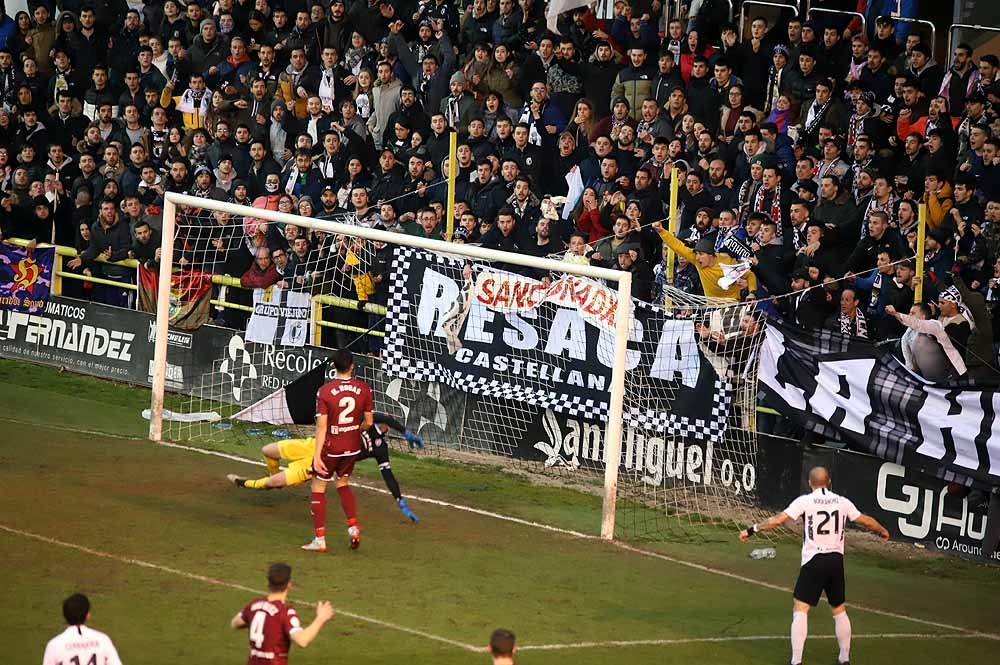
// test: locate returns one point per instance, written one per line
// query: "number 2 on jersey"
(347, 406)
(835, 516)
(257, 628)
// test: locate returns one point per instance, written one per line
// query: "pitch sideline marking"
(468, 647)
(231, 585)
(546, 527)
(680, 641)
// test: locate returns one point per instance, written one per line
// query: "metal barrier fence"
(318, 301)
(820, 10)
(963, 26)
(920, 21)
(781, 6)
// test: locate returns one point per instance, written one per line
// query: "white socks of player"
(842, 627)
(800, 627)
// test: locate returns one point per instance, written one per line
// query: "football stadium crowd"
(802, 149)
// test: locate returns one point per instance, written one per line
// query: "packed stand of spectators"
(802, 149)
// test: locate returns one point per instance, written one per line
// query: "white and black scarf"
(534, 136)
(326, 88)
(856, 126)
(815, 117)
(876, 289)
(952, 294)
(858, 326)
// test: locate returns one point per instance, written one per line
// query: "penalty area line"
(229, 585)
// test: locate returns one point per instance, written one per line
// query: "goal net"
(484, 355)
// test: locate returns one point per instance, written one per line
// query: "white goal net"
(506, 357)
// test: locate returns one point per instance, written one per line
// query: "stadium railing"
(64, 253)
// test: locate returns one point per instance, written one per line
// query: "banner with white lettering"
(844, 387)
(550, 344)
(280, 317)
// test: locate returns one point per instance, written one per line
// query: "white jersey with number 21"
(825, 515)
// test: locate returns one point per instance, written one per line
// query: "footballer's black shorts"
(824, 573)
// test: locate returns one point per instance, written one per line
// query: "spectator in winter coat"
(111, 240)
(635, 82)
(262, 273)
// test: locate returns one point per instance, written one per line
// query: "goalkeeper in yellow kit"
(299, 453)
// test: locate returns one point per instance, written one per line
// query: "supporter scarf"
(643, 128)
(889, 208)
(747, 192)
(858, 326)
(159, 139)
(775, 208)
(295, 76)
(193, 102)
(326, 88)
(455, 112)
(876, 288)
(815, 117)
(952, 294)
(970, 87)
(855, 126)
(674, 46)
(775, 78)
(293, 179)
(534, 137)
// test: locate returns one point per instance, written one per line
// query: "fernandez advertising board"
(81, 336)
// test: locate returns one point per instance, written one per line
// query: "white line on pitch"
(230, 585)
(437, 638)
(734, 638)
(554, 529)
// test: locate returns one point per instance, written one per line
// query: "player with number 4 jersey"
(272, 624)
(825, 516)
(344, 409)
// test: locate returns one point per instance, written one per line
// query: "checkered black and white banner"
(449, 322)
(842, 387)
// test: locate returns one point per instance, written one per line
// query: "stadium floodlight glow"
(615, 421)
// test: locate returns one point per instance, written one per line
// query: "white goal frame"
(613, 431)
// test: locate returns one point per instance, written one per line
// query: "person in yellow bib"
(707, 262)
(299, 454)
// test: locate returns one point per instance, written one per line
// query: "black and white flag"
(489, 332)
(843, 387)
(294, 404)
(280, 317)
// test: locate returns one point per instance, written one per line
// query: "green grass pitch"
(168, 552)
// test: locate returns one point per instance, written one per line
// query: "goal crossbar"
(614, 428)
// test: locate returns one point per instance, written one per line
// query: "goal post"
(175, 202)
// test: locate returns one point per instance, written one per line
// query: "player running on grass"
(273, 625)
(826, 515)
(300, 452)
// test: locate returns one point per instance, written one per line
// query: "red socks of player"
(317, 508)
(347, 502)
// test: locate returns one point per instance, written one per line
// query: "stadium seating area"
(803, 147)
